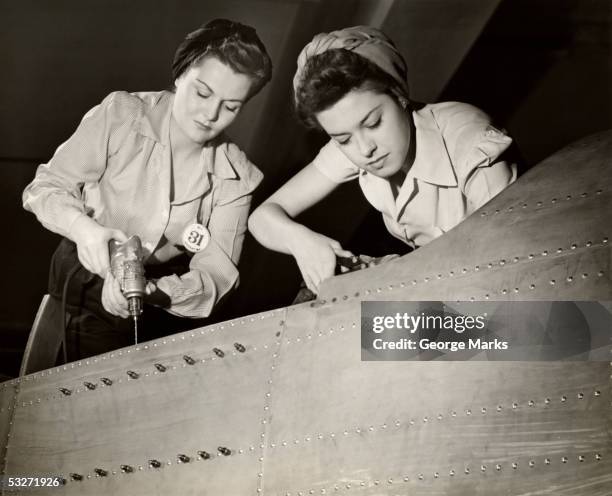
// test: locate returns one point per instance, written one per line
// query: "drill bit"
(135, 317)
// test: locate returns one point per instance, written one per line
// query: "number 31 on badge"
(195, 237)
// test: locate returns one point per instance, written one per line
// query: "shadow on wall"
(543, 69)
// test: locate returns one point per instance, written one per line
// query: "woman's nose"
(367, 146)
(211, 111)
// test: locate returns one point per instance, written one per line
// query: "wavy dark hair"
(329, 76)
(233, 43)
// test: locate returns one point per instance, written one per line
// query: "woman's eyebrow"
(204, 84)
(333, 135)
(237, 100)
(368, 114)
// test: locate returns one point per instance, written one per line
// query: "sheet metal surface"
(303, 415)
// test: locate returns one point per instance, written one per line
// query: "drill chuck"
(127, 267)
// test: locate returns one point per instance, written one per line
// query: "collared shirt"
(117, 168)
(455, 171)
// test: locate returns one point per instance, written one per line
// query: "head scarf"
(369, 42)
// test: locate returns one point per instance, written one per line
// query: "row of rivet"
(467, 470)
(465, 270)
(154, 344)
(12, 412)
(304, 339)
(425, 420)
(266, 407)
(538, 204)
(160, 368)
(153, 464)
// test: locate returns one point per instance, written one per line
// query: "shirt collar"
(431, 163)
(155, 124)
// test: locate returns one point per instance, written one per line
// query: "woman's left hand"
(113, 300)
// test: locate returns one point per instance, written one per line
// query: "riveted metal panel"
(177, 409)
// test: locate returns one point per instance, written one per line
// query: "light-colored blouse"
(456, 170)
(117, 168)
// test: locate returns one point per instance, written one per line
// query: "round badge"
(195, 237)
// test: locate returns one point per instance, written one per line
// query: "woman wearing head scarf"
(157, 165)
(424, 167)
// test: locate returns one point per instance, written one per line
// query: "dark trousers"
(91, 329)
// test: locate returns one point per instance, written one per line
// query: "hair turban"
(369, 42)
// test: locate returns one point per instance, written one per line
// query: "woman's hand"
(113, 300)
(92, 244)
(315, 255)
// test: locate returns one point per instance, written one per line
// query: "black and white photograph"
(306, 247)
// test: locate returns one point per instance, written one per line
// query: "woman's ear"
(402, 100)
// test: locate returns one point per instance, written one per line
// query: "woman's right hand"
(315, 255)
(92, 244)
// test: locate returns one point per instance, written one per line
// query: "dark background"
(541, 68)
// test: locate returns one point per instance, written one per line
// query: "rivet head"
(154, 463)
(498, 467)
(580, 458)
(597, 393)
(483, 468)
(160, 367)
(239, 347)
(219, 352)
(547, 461)
(580, 396)
(183, 458)
(224, 451)
(531, 463)
(100, 472)
(563, 399)
(564, 459)
(76, 477)
(189, 360)
(127, 469)
(514, 465)
(65, 391)
(597, 456)
(132, 375)
(89, 385)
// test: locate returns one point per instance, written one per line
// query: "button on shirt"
(117, 168)
(456, 170)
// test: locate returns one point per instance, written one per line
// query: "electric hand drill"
(127, 267)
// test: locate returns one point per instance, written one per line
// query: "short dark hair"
(233, 43)
(330, 75)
